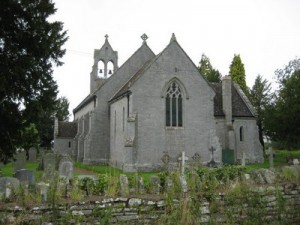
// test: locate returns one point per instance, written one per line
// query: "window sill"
(174, 128)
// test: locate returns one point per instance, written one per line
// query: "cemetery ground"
(74, 193)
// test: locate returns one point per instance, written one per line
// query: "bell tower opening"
(101, 69)
(105, 64)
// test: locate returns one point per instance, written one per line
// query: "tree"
(30, 46)
(260, 97)
(237, 73)
(206, 69)
(30, 137)
(62, 109)
(282, 119)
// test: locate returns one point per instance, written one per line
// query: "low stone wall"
(260, 204)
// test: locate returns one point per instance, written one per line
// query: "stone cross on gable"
(144, 37)
(183, 158)
(106, 36)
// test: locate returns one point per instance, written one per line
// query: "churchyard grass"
(279, 159)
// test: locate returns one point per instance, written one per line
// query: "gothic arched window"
(174, 105)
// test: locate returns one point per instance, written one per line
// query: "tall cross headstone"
(183, 158)
(212, 162)
(183, 181)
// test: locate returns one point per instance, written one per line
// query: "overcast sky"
(266, 33)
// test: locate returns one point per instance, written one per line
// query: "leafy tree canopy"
(237, 73)
(206, 69)
(30, 45)
(260, 96)
(282, 115)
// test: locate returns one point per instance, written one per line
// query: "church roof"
(126, 88)
(85, 101)
(67, 129)
(240, 105)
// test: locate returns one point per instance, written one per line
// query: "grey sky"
(266, 33)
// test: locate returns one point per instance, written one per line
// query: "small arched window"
(174, 105)
(241, 133)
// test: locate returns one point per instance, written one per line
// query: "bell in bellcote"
(109, 72)
(100, 71)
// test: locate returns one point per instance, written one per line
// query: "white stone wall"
(153, 137)
(250, 143)
(98, 150)
(64, 145)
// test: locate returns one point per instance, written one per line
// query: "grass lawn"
(279, 159)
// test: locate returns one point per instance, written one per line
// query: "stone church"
(154, 106)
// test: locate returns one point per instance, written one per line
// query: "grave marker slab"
(155, 184)
(124, 185)
(66, 170)
(20, 161)
(8, 183)
(25, 176)
(32, 154)
(49, 160)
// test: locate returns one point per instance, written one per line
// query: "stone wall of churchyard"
(265, 204)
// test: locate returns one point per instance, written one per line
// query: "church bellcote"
(105, 64)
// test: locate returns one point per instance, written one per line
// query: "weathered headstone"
(196, 160)
(43, 190)
(32, 154)
(166, 159)
(295, 162)
(49, 160)
(66, 170)
(20, 161)
(155, 184)
(124, 185)
(7, 184)
(141, 185)
(243, 158)
(25, 176)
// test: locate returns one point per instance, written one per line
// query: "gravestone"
(295, 162)
(124, 185)
(32, 154)
(182, 160)
(20, 161)
(49, 160)
(43, 190)
(155, 184)
(25, 176)
(141, 185)
(166, 159)
(196, 160)
(212, 162)
(243, 158)
(66, 170)
(7, 184)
